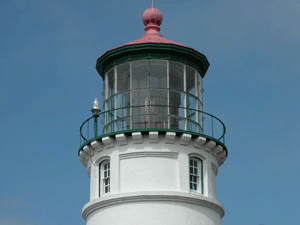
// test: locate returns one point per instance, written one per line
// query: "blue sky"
(48, 82)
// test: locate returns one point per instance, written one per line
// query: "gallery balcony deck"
(146, 118)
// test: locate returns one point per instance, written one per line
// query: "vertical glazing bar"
(197, 102)
(201, 89)
(105, 103)
(185, 98)
(168, 96)
(106, 87)
(201, 118)
(130, 96)
(115, 99)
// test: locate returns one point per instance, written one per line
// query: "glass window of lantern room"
(200, 102)
(196, 175)
(140, 74)
(123, 97)
(200, 89)
(123, 77)
(156, 112)
(158, 73)
(176, 76)
(176, 95)
(111, 82)
(191, 98)
(190, 80)
(109, 102)
(140, 92)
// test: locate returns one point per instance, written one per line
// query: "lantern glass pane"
(176, 76)
(140, 74)
(190, 80)
(158, 73)
(111, 82)
(123, 77)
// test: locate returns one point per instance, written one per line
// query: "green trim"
(173, 52)
(147, 130)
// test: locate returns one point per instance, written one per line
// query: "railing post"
(96, 125)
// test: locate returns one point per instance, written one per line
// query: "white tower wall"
(149, 180)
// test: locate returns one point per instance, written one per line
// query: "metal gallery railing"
(152, 117)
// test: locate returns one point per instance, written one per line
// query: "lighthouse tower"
(151, 152)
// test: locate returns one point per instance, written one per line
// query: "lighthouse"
(152, 153)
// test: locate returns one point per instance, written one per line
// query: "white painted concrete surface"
(149, 181)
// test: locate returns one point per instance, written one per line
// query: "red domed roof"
(152, 18)
(152, 42)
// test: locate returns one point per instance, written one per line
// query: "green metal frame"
(173, 52)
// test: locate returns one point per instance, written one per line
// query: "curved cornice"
(214, 147)
(152, 51)
(124, 198)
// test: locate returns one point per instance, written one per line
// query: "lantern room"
(153, 93)
(152, 83)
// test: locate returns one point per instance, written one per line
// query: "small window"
(195, 171)
(104, 172)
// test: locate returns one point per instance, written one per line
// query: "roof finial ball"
(152, 18)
